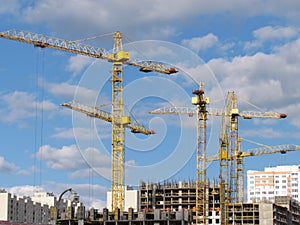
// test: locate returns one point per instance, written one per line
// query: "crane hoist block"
(120, 56)
(126, 120)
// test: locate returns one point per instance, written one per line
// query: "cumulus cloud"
(70, 158)
(92, 17)
(24, 190)
(89, 193)
(270, 33)
(201, 43)
(84, 133)
(7, 167)
(67, 91)
(78, 63)
(262, 133)
(22, 105)
(66, 158)
(9, 6)
(12, 169)
(269, 81)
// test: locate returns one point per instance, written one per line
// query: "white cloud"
(86, 192)
(12, 169)
(152, 19)
(77, 63)
(22, 105)
(201, 43)
(9, 6)
(66, 90)
(7, 167)
(269, 81)
(82, 133)
(263, 133)
(270, 33)
(66, 158)
(70, 158)
(25, 190)
(85, 133)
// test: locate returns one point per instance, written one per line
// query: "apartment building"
(22, 209)
(263, 186)
(38, 209)
(131, 199)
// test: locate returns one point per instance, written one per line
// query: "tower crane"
(229, 142)
(266, 150)
(118, 57)
(200, 100)
(201, 197)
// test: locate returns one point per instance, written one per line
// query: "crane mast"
(201, 185)
(118, 58)
(233, 133)
(201, 111)
(223, 162)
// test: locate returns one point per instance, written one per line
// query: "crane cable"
(94, 37)
(40, 68)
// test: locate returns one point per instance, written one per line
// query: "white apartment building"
(131, 199)
(273, 181)
(22, 209)
(36, 209)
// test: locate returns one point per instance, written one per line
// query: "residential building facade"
(264, 186)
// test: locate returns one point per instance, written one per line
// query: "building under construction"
(174, 203)
(176, 196)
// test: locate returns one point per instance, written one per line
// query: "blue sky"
(250, 47)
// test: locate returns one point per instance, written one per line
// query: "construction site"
(200, 202)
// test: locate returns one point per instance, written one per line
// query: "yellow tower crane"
(231, 168)
(201, 111)
(229, 142)
(266, 150)
(118, 57)
(230, 135)
(201, 196)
